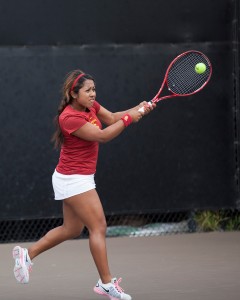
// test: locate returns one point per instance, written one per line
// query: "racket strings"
(182, 78)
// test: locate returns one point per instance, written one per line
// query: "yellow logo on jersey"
(94, 122)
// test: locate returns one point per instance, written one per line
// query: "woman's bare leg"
(83, 209)
(88, 208)
(71, 228)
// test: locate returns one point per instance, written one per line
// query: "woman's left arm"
(110, 118)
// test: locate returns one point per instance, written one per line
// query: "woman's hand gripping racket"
(187, 74)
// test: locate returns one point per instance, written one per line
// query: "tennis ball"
(200, 68)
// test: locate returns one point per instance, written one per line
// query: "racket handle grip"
(142, 108)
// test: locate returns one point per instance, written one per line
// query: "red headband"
(76, 80)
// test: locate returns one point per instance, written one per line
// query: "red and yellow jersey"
(78, 156)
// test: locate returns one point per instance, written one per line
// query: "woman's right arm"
(90, 132)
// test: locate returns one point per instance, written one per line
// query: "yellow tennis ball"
(200, 68)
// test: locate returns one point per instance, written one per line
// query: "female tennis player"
(78, 133)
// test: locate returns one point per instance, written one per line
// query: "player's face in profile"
(86, 95)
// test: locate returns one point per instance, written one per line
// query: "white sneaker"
(23, 264)
(111, 289)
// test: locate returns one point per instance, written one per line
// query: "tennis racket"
(182, 79)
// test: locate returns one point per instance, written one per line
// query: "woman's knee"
(98, 228)
(72, 232)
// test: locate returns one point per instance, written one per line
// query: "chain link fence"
(135, 225)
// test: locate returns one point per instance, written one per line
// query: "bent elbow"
(103, 138)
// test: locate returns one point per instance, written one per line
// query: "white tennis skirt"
(66, 186)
